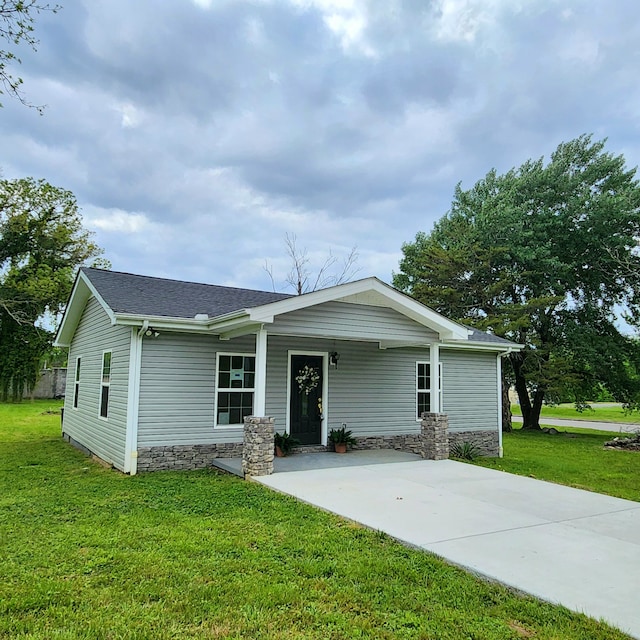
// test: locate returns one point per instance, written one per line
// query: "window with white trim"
(423, 388)
(236, 373)
(105, 384)
(76, 384)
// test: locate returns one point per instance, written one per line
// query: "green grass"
(576, 458)
(87, 552)
(597, 412)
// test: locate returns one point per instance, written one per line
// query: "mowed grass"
(603, 413)
(575, 457)
(87, 552)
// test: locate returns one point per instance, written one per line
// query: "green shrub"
(464, 451)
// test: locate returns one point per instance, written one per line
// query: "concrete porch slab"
(323, 460)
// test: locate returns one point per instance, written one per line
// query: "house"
(163, 373)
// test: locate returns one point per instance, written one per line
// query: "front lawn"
(575, 457)
(90, 553)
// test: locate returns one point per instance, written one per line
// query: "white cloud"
(347, 20)
(131, 116)
(116, 220)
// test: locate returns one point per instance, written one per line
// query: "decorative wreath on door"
(307, 379)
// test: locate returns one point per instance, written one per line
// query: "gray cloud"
(195, 137)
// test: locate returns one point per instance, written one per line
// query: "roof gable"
(370, 291)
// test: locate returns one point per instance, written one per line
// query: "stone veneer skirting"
(185, 456)
(487, 442)
(409, 442)
(433, 442)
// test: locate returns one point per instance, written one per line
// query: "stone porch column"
(257, 450)
(435, 440)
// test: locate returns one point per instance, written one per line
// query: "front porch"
(258, 446)
(302, 461)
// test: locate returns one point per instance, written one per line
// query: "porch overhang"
(371, 292)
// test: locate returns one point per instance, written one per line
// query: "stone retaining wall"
(194, 456)
(487, 442)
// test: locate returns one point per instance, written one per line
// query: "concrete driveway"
(564, 545)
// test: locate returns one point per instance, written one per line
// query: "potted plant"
(284, 443)
(341, 438)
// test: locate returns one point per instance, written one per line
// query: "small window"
(76, 384)
(105, 383)
(423, 387)
(234, 395)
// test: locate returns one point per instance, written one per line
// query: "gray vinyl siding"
(177, 389)
(94, 335)
(373, 391)
(470, 389)
(343, 320)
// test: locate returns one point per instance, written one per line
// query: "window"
(236, 380)
(76, 384)
(423, 387)
(105, 383)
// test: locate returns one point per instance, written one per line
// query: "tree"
(300, 276)
(544, 255)
(17, 28)
(42, 244)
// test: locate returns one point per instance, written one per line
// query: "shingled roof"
(483, 336)
(161, 297)
(127, 294)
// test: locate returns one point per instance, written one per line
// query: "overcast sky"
(197, 133)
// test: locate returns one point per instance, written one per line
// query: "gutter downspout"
(499, 379)
(133, 399)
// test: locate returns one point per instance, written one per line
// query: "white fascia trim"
(473, 346)
(82, 290)
(240, 330)
(162, 322)
(222, 324)
(399, 344)
(483, 346)
(396, 300)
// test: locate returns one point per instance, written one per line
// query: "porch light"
(334, 356)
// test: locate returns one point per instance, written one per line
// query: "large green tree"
(545, 255)
(42, 244)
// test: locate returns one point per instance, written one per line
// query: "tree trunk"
(530, 416)
(536, 408)
(507, 427)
